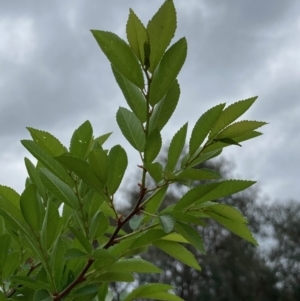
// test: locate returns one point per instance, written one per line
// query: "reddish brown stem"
(81, 277)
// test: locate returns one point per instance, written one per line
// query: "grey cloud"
(233, 48)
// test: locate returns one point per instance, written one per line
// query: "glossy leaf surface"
(176, 147)
(165, 108)
(137, 35)
(161, 29)
(167, 71)
(231, 219)
(83, 170)
(31, 208)
(131, 128)
(178, 252)
(61, 190)
(117, 162)
(47, 161)
(81, 140)
(133, 96)
(47, 142)
(230, 114)
(239, 128)
(98, 160)
(153, 146)
(120, 55)
(203, 127)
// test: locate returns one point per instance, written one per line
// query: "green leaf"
(60, 189)
(212, 191)
(5, 242)
(103, 258)
(247, 136)
(114, 277)
(134, 265)
(102, 292)
(30, 242)
(178, 252)
(225, 188)
(161, 29)
(34, 177)
(153, 202)
(56, 262)
(26, 281)
(147, 238)
(74, 253)
(82, 239)
(83, 170)
(240, 128)
(42, 295)
(187, 217)
(198, 174)
(131, 128)
(50, 225)
(219, 145)
(11, 264)
(107, 210)
(92, 202)
(203, 127)
(86, 290)
(81, 140)
(3, 297)
(228, 212)
(165, 108)
(231, 219)
(175, 237)
(137, 35)
(10, 195)
(175, 148)
(227, 141)
(101, 139)
(136, 221)
(47, 142)
(47, 161)
(31, 207)
(167, 71)
(13, 216)
(99, 225)
(124, 246)
(155, 170)
(98, 161)
(120, 55)
(191, 235)
(117, 162)
(167, 222)
(2, 226)
(136, 251)
(193, 195)
(147, 289)
(133, 95)
(230, 114)
(202, 158)
(153, 146)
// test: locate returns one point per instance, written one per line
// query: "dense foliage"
(63, 238)
(233, 269)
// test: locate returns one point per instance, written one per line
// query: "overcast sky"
(54, 77)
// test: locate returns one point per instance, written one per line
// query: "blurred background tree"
(234, 269)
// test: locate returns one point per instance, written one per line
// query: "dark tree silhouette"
(233, 269)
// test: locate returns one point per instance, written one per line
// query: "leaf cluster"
(63, 236)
